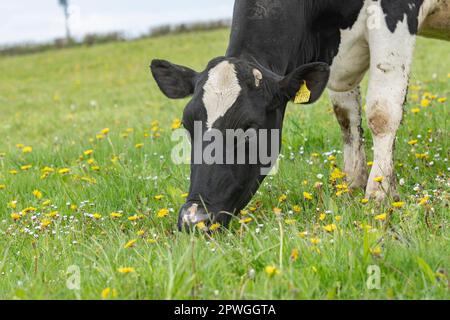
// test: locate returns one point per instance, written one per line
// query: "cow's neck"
(282, 35)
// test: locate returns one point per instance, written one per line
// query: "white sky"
(43, 20)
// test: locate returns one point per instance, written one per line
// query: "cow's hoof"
(190, 216)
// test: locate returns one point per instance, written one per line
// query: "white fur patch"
(221, 91)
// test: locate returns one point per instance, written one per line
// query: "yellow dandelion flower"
(303, 234)
(91, 161)
(282, 198)
(28, 210)
(176, 124)
(376, 251)
(413, 142)
(271, 271)
(331, 158)
(201, 226)
(52, 214)
(139, 146)
(290, 222)
(133, 218)
(442, 100)
(398, 204)
(15, 216)
(415, 110)
(45, 223)
(338, 218)
(37, 194)
(13, 172)
(115, 215)
(295, 254)
(88, 152)
(130, 244)
(105, 131)
(245, 221)
(97, 216)
(26, 167)
(307, 196)
(424, 200)
(330, 228)
(46, 203)
(425, 103)
(365, 201)
(64, 171)
(126, 270)
(337, 174)
(2, 186)
(108, 293)
(20, 146)
(140, 233)
(27, 149)
(12, 204)
(277, 211)
(297, 209)
(381, 217)
(163, 213)
(214, 227)
(158, 197)
(378, 179)
(315, 241)
(422, 156)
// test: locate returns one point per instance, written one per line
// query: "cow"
(277, 49)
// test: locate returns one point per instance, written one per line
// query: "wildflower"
(412, 142)
(442, 100)
(297, 209)
(398, 204)
(214, 227)
(338, 218)
(105, 131)
(52, 214)
(45, 223)
(424, 200)
(282, 198)
(140, 233)
(277, 211)
(28, 210)
(422, 156)
(64, 171)
(201, 226)
(337, 174)
(381, 217)
(20, 146)
(290, 222)
(245, 221)
(130, 244)
(2, 187)
(415, 110)
(364, 201)
(46, 203)
(315, 241)
(376, 251)
(425, 103)
(12, 204)
(271, 271)
(331, 158)
(133, 218)
(115, 215)
(307, 196)
(126, 270)
(163, 213)
(37, 194)
(379, 179)
(26, 167)
(322, 216)
(97, 216)
(139, 146)
(176, 124)
(108, 293)
(159, 197)
(303, 234)
(294, 255)
(27, 149)
(330, 228)
(13, 172)
(88, 152)
(15, 216)
(184, 195)
(95, 168)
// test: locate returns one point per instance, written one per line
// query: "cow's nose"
(192, 214)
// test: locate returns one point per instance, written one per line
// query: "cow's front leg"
(347, 107)
(389, 75)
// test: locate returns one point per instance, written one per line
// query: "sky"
(43, 20)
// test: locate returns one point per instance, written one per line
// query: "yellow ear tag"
(303, 95)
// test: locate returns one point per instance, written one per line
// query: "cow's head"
(232, 94)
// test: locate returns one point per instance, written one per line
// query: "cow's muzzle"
(191, 214)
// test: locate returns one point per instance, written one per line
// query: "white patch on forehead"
(221, 91)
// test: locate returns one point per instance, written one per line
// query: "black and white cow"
(275, 47)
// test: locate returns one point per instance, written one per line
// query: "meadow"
(89, 196)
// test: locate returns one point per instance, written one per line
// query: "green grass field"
(75, 196)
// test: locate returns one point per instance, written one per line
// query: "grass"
(58, 103)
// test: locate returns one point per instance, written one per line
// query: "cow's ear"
(306, 84)
(175, 81)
